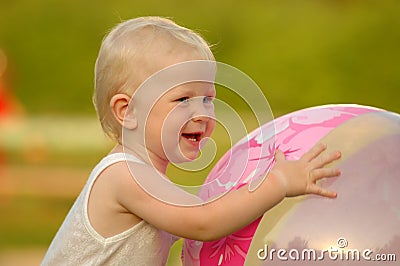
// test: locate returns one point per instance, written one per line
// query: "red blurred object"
(9, 107)
(6, 105)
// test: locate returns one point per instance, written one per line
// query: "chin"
(184, 158)
(190, 157)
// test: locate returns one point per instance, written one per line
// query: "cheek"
(153, 125)
(169, 134)
(153, 130)
(176, 119)
(172, 126)
(210, 127)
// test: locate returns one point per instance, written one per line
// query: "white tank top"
(77, 242)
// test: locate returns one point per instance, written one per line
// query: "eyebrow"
(182, 89)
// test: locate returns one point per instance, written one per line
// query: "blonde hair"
(116, 70)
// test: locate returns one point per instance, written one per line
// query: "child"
(115, 221)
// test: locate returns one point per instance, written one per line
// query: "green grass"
(31, 220)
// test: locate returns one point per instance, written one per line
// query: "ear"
(119, 105)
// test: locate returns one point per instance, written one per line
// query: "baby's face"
(175, 109)
(180, 121)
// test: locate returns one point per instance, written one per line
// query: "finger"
(279, 155)
(320, 173)
(314, 152)
(325, 159)
(317, 190)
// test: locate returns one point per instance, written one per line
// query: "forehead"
(155, 50)
(168, 51)
(180, 68)
(192, 89)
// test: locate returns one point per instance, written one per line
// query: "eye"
(183, 99)
(208, 99)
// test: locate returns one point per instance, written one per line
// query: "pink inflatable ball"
(294, 133)
(361, 226)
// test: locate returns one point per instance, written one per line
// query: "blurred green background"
(301, 53)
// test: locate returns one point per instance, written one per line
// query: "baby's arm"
(237, 208)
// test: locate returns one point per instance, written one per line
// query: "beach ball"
(361, 225)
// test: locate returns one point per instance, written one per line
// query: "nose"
(202, 112)
(201, 118)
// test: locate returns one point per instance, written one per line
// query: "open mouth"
(193, 137)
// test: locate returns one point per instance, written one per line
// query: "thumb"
(279, 155)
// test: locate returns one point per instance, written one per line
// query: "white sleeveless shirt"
(77, 242)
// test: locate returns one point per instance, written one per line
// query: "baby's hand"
(300, 177)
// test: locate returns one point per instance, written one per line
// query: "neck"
(146, 156)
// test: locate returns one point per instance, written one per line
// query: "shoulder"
(121, 173)
(121, 177)
(110, 191)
